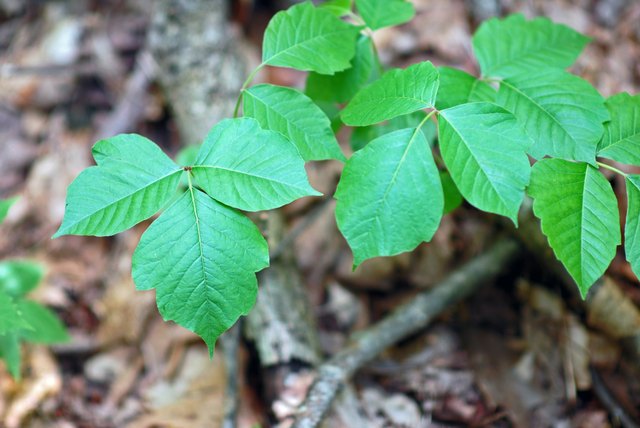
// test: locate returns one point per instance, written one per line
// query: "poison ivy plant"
(424, 140)
(23, 320)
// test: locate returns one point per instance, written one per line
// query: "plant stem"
(244, 86)
(611, 168)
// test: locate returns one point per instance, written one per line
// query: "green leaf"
(484, 149)
(10, 353)
(247, 167)
(132, 181)
(342, 86)
(621, 140)
(379, 14)
(11, 318)
(579, 214)
(5, 206)
(458, 87)
(632, 225)
(339, 8)
(389, 196)
(511, 46)
(309, 39)
(452, 197)
(18, 277)
(295, 116)
(201, 256)
(46, 326)
(361, 136)
(396, 93)
(562, 113)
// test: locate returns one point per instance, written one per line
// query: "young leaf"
(579, 214)
(484, 149)
(10, 353)
(309, 39)
(201, 256)
(342, 86)
(339, 8)
(458, 87)
(132, 181)
(47, 327)
(295, 116)
(389, 197)
(5, 205)
(632, 226)
(361, 136)
(621, 140)
(396, 93)
(562, 113)
(10, 316)
(247, 167)
(379, 14)
(511, 46)
(18, 278)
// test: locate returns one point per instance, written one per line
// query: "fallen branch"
(402, 322)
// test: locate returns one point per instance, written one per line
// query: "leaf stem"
(244, 86)
(611, 168)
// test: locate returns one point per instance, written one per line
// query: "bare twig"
(608, 401)
(404, 321)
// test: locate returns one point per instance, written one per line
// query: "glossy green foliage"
(579, 214)
(458, 87)
(562, 113)
(484, 148)
(512, 46)
(131, 171)
(389, 197)
(295, 116)
(310, 39)
(201, 257)
(379, 14)
(23, 320)
(260, 168)
(396, 93)
(342, 86)
(621, 140)
(201, 254)
(632, 224)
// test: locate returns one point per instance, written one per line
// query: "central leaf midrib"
(306, 41)
(282, 183)
(154, 182)
(200, 245)
(536, 104)
(285, 118)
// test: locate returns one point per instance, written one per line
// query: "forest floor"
(523, 351)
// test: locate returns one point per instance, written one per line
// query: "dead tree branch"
(402, 322)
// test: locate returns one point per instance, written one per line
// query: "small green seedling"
(23, 320)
